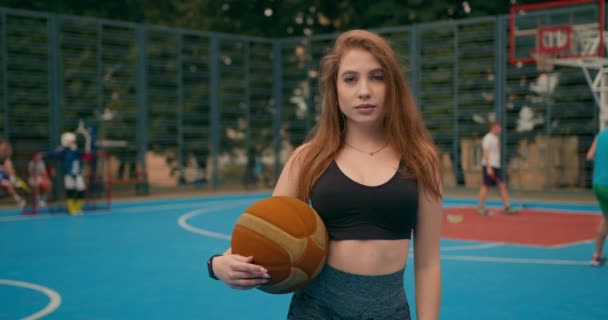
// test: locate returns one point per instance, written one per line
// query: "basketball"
(287, 237)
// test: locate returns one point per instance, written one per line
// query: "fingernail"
(267, 276)
(263, 270)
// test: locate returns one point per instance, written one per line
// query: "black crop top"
(352, 211)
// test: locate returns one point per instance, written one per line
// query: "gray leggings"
(337, 295)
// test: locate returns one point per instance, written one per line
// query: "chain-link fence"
(179, 107)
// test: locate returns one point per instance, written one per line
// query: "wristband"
(210, 266)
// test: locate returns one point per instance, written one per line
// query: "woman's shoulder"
(301, 150)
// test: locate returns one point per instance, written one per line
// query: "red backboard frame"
(537, 7)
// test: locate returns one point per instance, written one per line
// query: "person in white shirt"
(492, 172)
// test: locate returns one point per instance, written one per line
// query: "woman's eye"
(349, 79)
(378, 77)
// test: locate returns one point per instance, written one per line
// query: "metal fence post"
(248, 119)
(414, 66)
(142, 100)
(456, 168)
(548, 114)
(100, 80)
(54, 82)
(6, 111)
(500, 74)
(310, 100)
(214, 111)
(277, 94)
(181, 158)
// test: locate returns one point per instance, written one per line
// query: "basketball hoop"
(545, 62)
(563, 29)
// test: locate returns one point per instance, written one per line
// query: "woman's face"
(361, 87)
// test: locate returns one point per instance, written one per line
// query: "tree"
(279, 18)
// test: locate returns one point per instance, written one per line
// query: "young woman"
(371, 171)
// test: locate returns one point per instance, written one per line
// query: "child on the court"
(71, 158)
(7, 172)
(598, 152)
(39, 179)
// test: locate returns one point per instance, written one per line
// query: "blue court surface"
(146, 260)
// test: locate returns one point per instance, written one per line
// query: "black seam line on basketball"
(284, 201)
(285, 284)
(292, 239)
(280, 246)
(295, 209)
(316, 221)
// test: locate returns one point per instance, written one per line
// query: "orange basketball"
(287, 237)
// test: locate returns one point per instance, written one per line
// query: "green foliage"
(288, 18)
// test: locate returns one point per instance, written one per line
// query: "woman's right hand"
(239, 272)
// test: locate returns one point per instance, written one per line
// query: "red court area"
(528, 227)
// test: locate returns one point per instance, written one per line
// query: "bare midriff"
(368, 257)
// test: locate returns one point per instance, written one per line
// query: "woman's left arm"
(427, 259)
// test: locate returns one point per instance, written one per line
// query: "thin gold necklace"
(370, 153)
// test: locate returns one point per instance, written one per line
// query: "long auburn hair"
(406, 131)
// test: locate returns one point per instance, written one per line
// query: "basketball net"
(544, 62)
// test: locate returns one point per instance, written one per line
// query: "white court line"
(484, 245)
(535, 207)
(516, 260)
(147, 208)
(571, 244)
(557, 246)
(534, 246)
(183, 220)
(55, 298)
